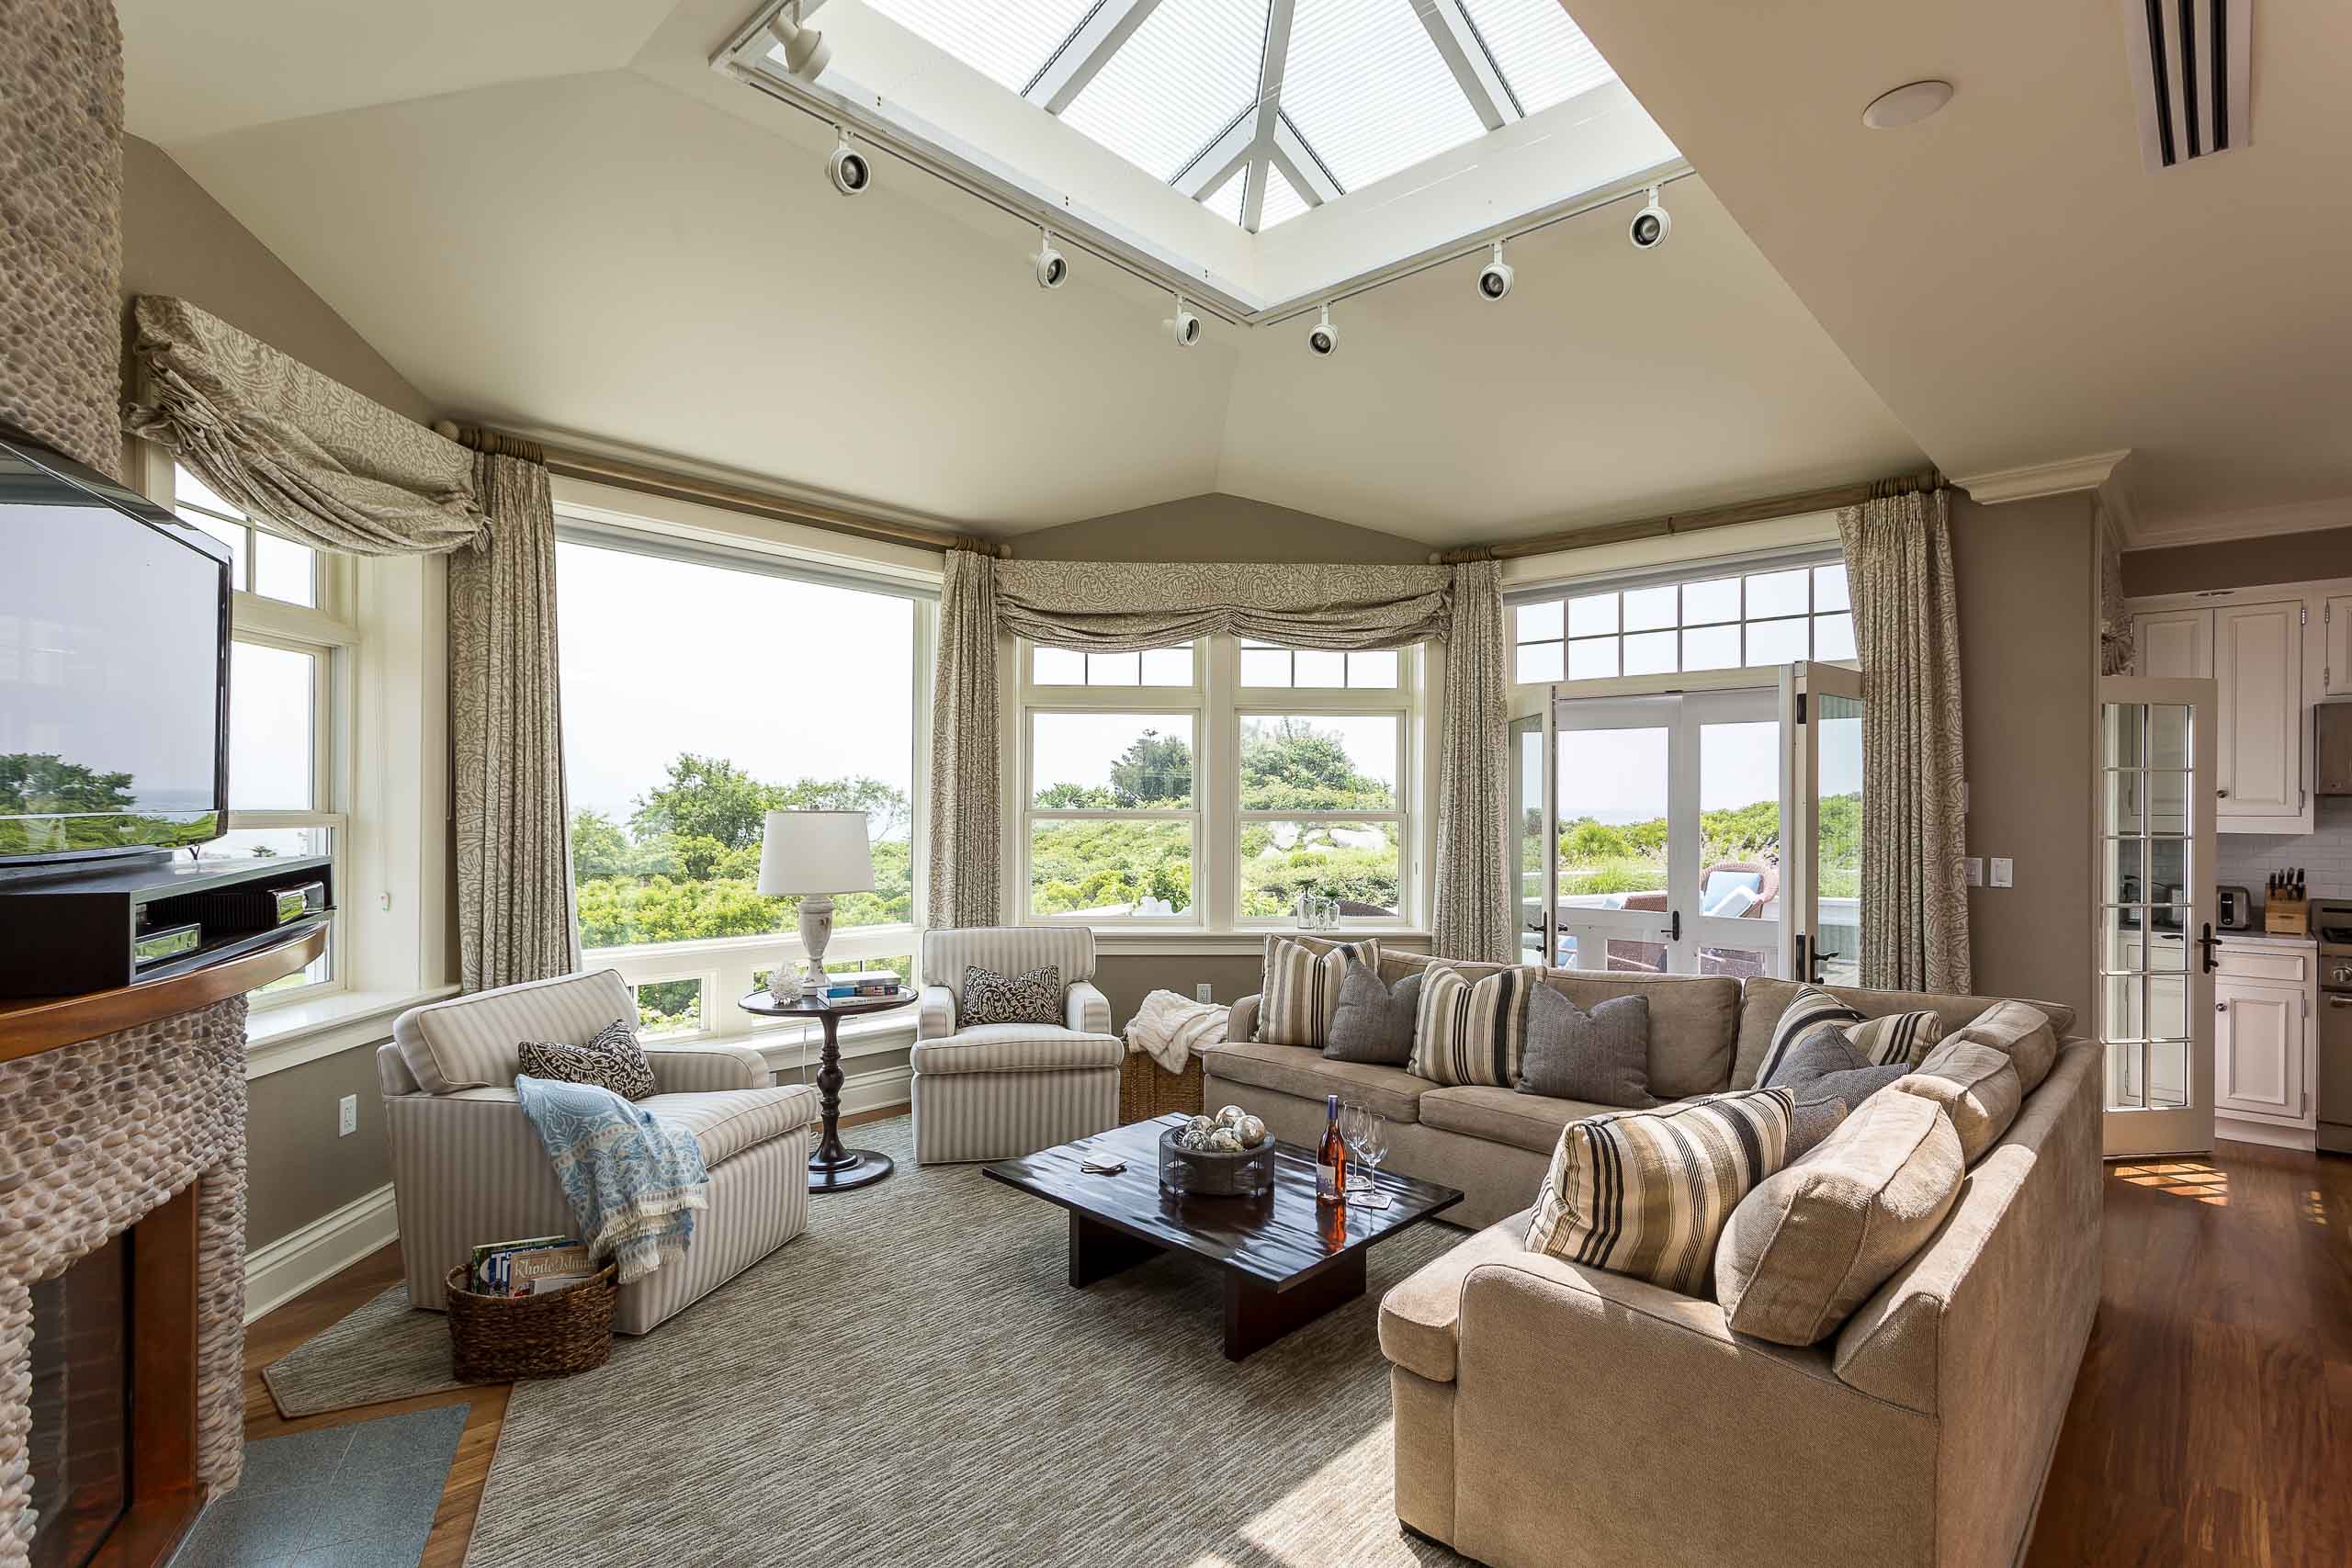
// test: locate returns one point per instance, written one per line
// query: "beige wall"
(2028, 587)
(1216, 527)
(178, 240)
(2239, 563)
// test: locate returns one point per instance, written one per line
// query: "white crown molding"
(277, 1271)
(2062, 478)
(2297, 517)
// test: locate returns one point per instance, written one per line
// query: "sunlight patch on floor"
(2192, 1178)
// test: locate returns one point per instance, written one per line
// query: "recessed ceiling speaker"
(848, 168)
(1184, 326)
(1906, 105)
(1323, 338)
(1651, 225)
(1050, 265)
(805, 52)
(1494, 278)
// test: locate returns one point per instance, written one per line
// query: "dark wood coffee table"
(1286, 1260)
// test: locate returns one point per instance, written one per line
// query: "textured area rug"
(385, 1351)
(914, 1382)
(357, 1496)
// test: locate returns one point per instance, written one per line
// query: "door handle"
(2339, 1001)
(2210, 945)
(1675, 927)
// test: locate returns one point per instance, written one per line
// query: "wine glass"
(1370, 1146)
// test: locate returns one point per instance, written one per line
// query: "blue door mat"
(357, 1496)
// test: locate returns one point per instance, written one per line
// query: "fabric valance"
(1115, 606)
(331, 468)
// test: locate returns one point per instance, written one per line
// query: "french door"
(1821, 935)
(2156, 908)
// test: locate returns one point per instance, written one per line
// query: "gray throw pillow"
(1374, 1023)
(1602, 1056)
(1824, 1063)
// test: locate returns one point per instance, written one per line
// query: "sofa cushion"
(1375, 1022)
(1812, 1242)
(1302, 986)
(1646, 1192)
(1505, 1116)
(614, 1060)
(1812, 1013)
(1896, 1039)
(1473, 1031)
(1602, 1055)
(2024, 1033)
(1764, 999)
(1017, 1048)
(1977, 1086)
(727, 1122)
(1693, 1022)
(1306, 1073)
(1420, 1316)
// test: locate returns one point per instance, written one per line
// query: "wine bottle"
(1332, 1157)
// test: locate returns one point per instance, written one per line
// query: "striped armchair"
(997, 1090)
(467, 1167)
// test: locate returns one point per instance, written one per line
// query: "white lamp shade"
(815, 853)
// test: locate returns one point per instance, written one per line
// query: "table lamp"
(813, 855)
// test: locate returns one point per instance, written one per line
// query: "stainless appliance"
(2236, 908)
(2332, 919)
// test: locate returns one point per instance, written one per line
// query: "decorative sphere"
(1230, 1115)
(1200, 1126)
(1252, 1132)
(1225, 1141)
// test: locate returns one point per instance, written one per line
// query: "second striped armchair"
(998, 1090)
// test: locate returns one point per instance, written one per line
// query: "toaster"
(2236, 908)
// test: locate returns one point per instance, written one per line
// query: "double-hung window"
(290, 682)
(1215, 785)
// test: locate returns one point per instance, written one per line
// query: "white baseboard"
(278, 1271)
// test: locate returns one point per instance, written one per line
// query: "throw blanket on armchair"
(634, 1183)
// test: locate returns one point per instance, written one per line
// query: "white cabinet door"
(2258, 664)
(2173, 645)
(2258, 1033)
(2338, 675)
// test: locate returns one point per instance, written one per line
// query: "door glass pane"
(2146, 875)
(1527, 818)
(1740, 962)
(1838, 849)
(2168, 802)
(2125, 802)
(2119, 734)
(1636, 957)
(2167, 736)
(2126, 870)
(1739, 821)
(1613, 819)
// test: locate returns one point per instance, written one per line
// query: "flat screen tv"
(114, 667)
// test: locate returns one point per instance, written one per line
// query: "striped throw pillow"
(1898, 1037)
(1810, 1005)
(1648, 1192)
(1472, 1031)
(1302, 989)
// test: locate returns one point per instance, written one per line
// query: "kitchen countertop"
(2266, 937)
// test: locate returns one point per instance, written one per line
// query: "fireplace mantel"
(44, 1024)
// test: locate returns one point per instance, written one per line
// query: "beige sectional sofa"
(1547, 1413)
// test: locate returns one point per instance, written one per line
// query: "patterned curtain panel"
(1906, 629)
(2114, 615)
(333, 469)
(1476, 918)
(962, 880)
(515, 919)
(1114, 606)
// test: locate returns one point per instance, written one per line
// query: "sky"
(788, 680)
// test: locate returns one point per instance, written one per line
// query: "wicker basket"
(502, 1338)
(1148, 1089)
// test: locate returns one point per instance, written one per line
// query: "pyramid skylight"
(1261, 109)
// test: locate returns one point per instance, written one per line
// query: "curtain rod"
(677, 486)
(1693, 521)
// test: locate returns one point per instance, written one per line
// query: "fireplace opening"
(81, 1407)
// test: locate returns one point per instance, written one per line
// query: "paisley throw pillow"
(991, 998)
(614, 1060)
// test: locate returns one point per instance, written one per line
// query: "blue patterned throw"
(634, 1183)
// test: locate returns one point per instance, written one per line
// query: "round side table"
(832, 1167)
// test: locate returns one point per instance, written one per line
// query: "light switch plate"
(346, 1116)
(1202, 992)
(2004, 871)
(1975, 865)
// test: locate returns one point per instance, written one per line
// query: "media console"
(65, 932)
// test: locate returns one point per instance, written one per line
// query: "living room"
(1564, 720)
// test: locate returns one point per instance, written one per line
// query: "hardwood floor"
(2212, 1424)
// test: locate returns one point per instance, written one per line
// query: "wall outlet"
(1202, 992)
(2004, 872)
(1975, 865)
(346, 1116)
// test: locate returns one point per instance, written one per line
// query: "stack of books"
(864, 983)
(535, 1265)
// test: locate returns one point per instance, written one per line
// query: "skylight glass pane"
(1225, 200)
(1282, 203)
(1007, 43)
(1182, 78)
(1544, 55)
(1369, 91)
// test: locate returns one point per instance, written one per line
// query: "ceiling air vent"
(2189, 67)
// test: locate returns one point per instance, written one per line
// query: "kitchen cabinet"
(2335, 672)
(2254, 654)
(2263, 1035)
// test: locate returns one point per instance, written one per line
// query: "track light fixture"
(1050, 265)
(1323, 338)
(1184, 326)
(848, 168)
(1494, 278)
(1652, 224)
(805, 52)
